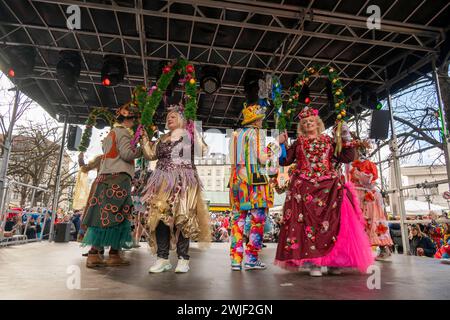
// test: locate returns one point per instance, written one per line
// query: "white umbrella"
(419, 208)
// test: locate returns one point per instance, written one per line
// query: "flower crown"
(308, 112)
(178, 108)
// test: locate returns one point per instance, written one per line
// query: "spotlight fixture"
(304, 96)
(210, 79)
(69, 67)
(113, 70)
(23, 59)
(373, 102)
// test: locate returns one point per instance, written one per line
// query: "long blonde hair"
(181, 121)
(320, 126)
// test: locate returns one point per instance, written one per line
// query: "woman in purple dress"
(322, 222)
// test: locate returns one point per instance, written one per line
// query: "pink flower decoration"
(309, 198)
(315, 112)
(153, 88)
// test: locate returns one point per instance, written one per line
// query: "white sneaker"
(182, 266)
(160, 265)
(334, 271)
(315, 272)
(258, 265)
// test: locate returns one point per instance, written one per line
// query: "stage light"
(304, 96)
(373, 103)
(69, 67)
(23, 59)
(113, 70)
(210, 79)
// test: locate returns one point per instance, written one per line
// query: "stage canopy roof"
(280, 37)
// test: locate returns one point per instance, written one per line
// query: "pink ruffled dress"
(322, 222)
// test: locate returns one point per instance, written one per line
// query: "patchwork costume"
(250, 192)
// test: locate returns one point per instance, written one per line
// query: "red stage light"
(307, 100)
(11, 73)
(106, 82)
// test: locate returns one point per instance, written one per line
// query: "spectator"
(419, 243)
(76, 220)
(73, 231)
(32, 228)
(9, 224)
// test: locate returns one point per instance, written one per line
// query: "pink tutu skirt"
(352, 248)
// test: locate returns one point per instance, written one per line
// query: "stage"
(50, 271)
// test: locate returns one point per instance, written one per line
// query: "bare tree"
(34, 159)
(417, 121)
(6, 107)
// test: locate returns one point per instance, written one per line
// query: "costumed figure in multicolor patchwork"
(110, 207)
(364, 175)
(250, 192)
(177, 212)
(322, 223)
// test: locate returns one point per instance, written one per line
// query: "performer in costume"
(250, 193)
(364, 174)
(110, 207)
(176, 209)
(322, 222)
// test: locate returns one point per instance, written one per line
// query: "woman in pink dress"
(364, 174)
(322, 223)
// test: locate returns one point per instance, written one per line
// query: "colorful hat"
(128, 110)
(252, 113)
(308, 112)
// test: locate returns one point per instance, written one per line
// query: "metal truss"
(417, 39)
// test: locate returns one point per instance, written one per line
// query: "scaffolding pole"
(398, 180)
(445, 133)
(5, 162)
(58, 181)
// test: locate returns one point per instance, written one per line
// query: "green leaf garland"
(90, 122)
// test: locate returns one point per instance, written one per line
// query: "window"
(209, 171)
(218, 183)
(209, 183)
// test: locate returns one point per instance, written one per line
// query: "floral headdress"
(308, 112)
(178, 108)
(128, 110)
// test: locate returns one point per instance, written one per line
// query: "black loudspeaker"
(73, 138)
(62, 232)
(379, 128)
